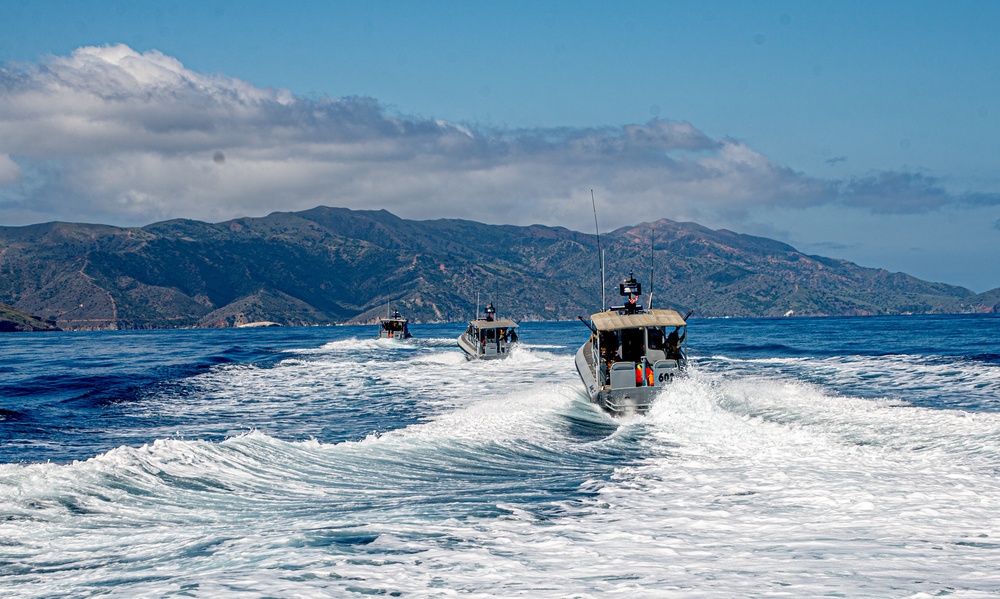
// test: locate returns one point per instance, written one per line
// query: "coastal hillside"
(13, 320)
(334, 265)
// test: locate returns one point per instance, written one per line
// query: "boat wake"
(788, 476)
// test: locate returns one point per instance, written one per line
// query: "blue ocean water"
(851, 457)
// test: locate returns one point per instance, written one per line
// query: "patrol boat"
(632, 353)
(393, 327)
(488, 338)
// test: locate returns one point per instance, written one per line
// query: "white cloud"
(10, 172)
(112, 135)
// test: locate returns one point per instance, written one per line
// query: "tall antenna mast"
(652, 233)
(600, 252)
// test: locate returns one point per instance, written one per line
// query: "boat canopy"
(612, 321)
(493, 324)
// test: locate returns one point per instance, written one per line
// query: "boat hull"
(383, 334)
(489, 339)
(472, 352)
(393, 328)
(622, 401)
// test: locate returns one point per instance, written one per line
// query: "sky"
(864, 131)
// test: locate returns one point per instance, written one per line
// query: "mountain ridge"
(335, 265)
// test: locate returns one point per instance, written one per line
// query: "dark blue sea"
(801, 457)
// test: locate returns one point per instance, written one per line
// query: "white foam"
(757, 478)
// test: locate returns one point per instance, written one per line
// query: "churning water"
(845, 457)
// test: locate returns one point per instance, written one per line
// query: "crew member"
(674, 344)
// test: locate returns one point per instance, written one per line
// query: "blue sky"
(862, 131)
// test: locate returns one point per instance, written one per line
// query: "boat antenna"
(600, 252)
(652, 233)
(476, 315)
